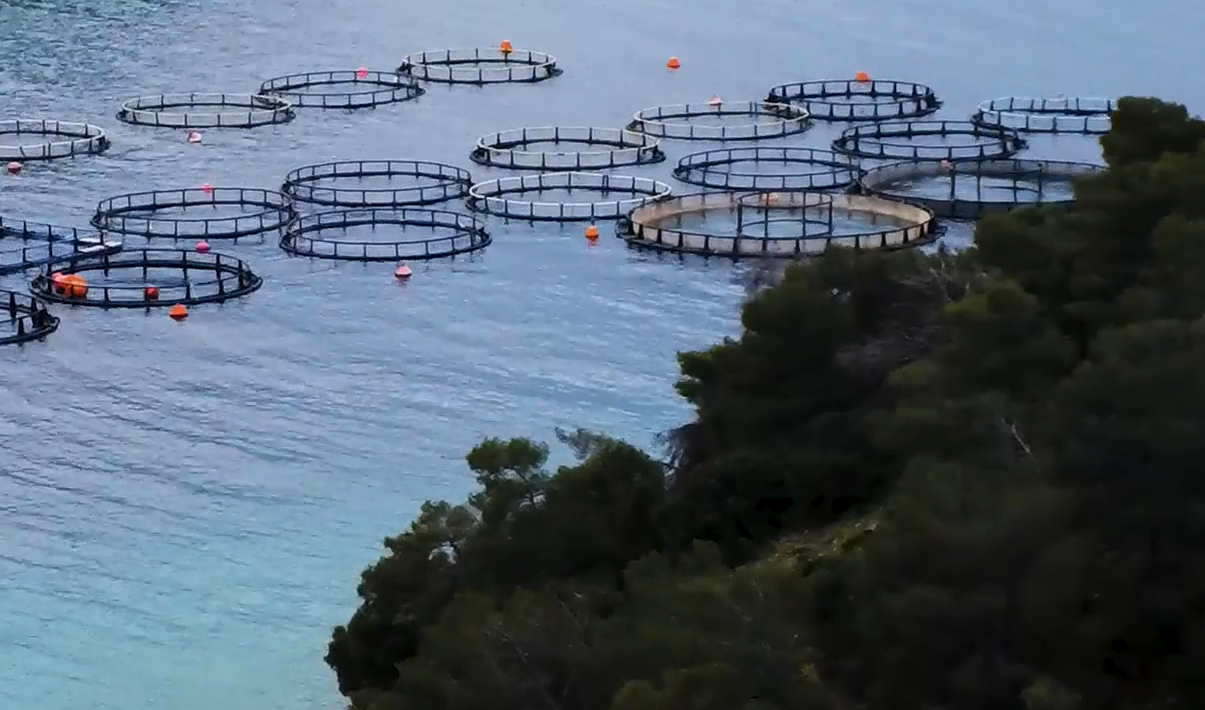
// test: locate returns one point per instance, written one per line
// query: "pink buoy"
(194, 137)
(14, 167)
(402, 272)
(362, 73)
(207, 188)
(715, 101)
(202, 247)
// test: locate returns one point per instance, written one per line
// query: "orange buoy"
(194, 137)
(207, 188)
(178, 312)
(202, 247)
(14, 167)
(402, 272)
(74, 286)
(150, 293)
(592, 234)
(505, 46)
(673, 63)
(56, 282)
(716, 101)
(861, 77)
(362, 73)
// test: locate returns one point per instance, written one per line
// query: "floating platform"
(27, 318)
(787, 225)
(970, 190)
(158, 214)
(501, 197)
(41, 139)
(409, 234)
(30, 245)
(493, 65)
(147, 278)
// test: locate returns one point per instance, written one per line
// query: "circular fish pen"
(1047, 115)
(147, 278)
(770, 168)
(28, 245)
(378, 183)
(770, 217)
(704, 122)
(480, 66)
(164, 214)
(967, 191)
(854, 100)
(197, 110)
(407, 235)
(351, 89)
(517, 149)
(28, 318)
(776, 225)
(928, 140)
(499, 197)
(38, 139)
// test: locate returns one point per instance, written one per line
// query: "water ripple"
(184, 508)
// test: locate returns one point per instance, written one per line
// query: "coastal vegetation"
(914, 482)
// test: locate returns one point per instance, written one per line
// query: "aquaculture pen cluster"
(802, 206)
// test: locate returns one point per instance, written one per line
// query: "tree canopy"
(914, 482)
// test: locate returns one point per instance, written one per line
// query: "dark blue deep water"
(184, 508)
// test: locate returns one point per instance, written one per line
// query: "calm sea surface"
(184, 508)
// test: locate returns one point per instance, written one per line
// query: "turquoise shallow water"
(184, 508)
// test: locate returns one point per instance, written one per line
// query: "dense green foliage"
(913, 483)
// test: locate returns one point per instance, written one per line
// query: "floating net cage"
(776, 225)
(409, 234)
(350, 89)
(928, 140)
(853, 100)
(969, 190)
(147, 278)
(499, 197)
(768, 168)
(706, 121)
(37, 139)
(28, 318)
(519, 148)
(198, 110)
(228, 213)
(770, 217)
(28, 245)
(377, 183)
(480, 66)
(1048, 115)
